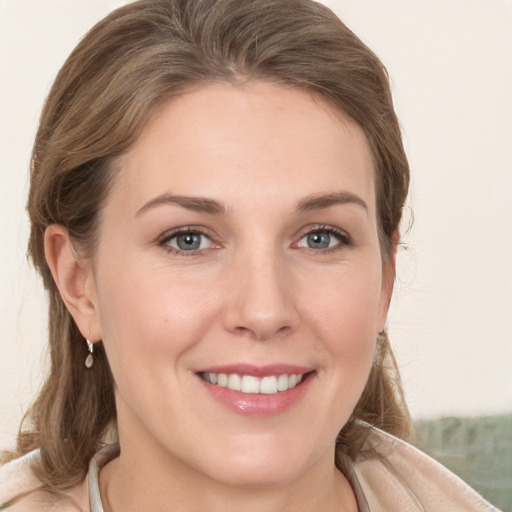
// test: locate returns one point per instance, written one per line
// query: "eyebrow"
(198, 204)
(320, 201)
(213, 207)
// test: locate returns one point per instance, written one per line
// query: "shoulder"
(17, 479)
(395, 475)
(20, 490)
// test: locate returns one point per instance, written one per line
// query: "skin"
(256, 292)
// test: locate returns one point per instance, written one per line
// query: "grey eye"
(319, 240)
(189, 241)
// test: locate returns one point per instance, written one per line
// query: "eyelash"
(192, 230)
(344, 239)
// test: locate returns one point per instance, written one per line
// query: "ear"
(388, 279)
(74, 279)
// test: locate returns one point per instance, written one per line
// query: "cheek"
(147, 314)
(343, 325)
(346, 321)
(349, 313)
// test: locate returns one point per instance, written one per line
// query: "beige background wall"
(451, 67)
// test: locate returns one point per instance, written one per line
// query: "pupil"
(189, 241)
(319, 240)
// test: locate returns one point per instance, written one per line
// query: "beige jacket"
(397, 478)
(403, 479)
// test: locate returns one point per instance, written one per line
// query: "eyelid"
(345, 239)
(164, 238)
(181, 230)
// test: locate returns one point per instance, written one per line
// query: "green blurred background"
(477, 449)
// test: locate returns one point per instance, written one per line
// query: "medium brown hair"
(137, 57)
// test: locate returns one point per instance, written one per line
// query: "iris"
(319, 240)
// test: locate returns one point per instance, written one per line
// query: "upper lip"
(257, 370)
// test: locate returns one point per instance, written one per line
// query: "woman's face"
(238, 283)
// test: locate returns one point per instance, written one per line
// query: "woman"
(215, 200)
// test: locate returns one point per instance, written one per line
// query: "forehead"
(224, 140)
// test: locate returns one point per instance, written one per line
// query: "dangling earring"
(89, 360)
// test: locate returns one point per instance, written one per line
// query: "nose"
(261, 300)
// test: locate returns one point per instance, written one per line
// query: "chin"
(273, 465)
(257, 474)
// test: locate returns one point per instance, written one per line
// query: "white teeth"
(250, 384)
(282, 383)
(268, 385)
(234, 382)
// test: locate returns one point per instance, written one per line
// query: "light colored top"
(394, 476)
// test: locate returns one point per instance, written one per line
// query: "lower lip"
(253, 404)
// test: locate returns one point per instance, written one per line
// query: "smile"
(267, 385)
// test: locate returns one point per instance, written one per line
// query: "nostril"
(284, 330)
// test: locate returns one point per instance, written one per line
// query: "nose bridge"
(262, 304)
